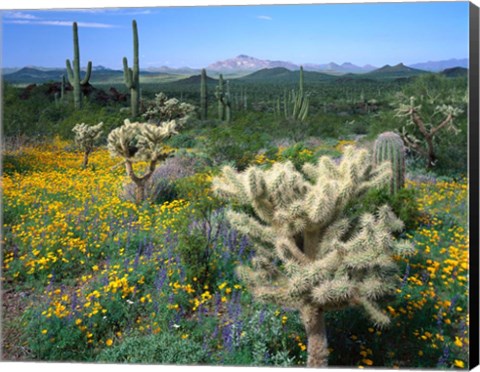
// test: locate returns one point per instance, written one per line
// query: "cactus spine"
(203, 96)
(132, 76)
(74, 74)
(389, 147)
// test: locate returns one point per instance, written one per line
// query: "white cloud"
(138, 12)
(110, 11)
(19, 15)
(91, 10)
(20, 18)
(59, 23)
(264, 17)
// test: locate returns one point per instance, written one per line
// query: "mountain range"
(249, 64)
(243, 66)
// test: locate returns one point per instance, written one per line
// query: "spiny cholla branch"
(164, 109)
(303, 256)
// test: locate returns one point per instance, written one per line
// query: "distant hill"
(334, 68)
(9, 70)
(29, 75)
(172, 70)
(195, 80)
(100, 75)
(283, 75)
(437, 66)
(455, 72)
(394, 72)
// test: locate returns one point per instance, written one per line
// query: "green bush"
(163, 348)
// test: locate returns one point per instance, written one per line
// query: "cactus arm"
(301, 80)
(127, 74)
(70, 74)
(88, 73)
(304, 110)
(444, 123)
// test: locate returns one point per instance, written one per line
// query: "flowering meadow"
(88, 275)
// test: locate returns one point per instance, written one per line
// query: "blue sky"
(376, 34)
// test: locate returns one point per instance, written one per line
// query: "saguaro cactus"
(62, 88)
(222, 94)
(389, 147)
(136, 142)
(295, 108)
(309, 255)
(227, 102)
(219, 95)
(203, 95)
(74, 74)
(297, 105)
(132, 76)
(85, 137)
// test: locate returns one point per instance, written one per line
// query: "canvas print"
(281, 185)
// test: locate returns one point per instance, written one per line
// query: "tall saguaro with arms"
(74, 73)
(132, 76)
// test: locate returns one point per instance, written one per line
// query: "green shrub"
(163, 348)
(298, 154)
(403, 205)
(182, 140)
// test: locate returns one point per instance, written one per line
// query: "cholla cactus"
(424, 146)
(136, 142)
(309, 256)
(164, 109)
(86, 137)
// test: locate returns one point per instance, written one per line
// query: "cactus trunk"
(85, 159)
(317, 345)
(74, 74)
(228, 104)
(203, 96)
(219, 94)
(62, 88)
(140, 182)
